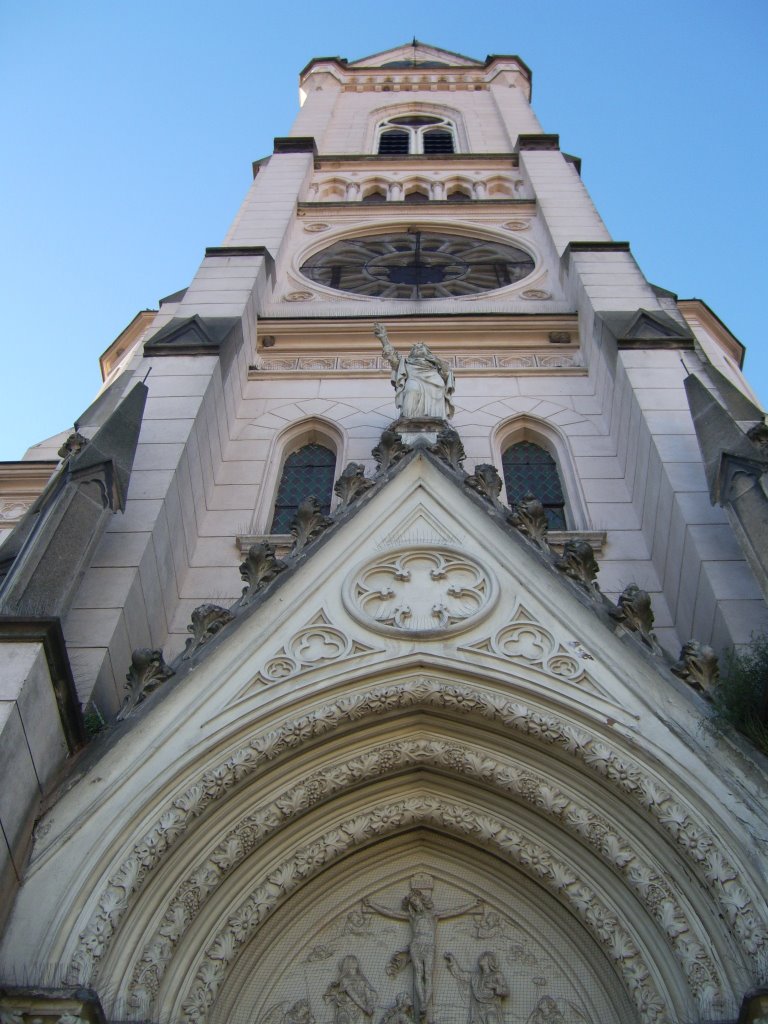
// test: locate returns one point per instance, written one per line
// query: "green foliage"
(93, 720)
(742, 696)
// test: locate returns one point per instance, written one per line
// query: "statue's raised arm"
(389, 352)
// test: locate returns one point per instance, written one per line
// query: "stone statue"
(486, 985)
(423, 383)
(418, 910)
(352, 996)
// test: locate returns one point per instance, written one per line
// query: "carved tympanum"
(529, 517)
(634, 611)
(390, 450)
(486, 481)
(420, 591)
(698, 666)
(207, 620)
(73, 445)
(148, 671)
(449, 448)
(308, 524)
(259, 568)
(579, 563)
(352, 484)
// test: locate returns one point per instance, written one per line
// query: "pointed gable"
(415, 54)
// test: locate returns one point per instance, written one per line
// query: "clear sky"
(129, 128)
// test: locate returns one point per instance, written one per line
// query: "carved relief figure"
(418, 910)
(401, 1012)
(423, 383)
(486, 986)
(352, 996)
(299, 1012)
(549, 1010)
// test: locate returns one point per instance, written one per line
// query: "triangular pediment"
(414, 54)
(192, 335)
(416, 573)
(635, 327)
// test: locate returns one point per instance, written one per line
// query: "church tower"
(415, 523)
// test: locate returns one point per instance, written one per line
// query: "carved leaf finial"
(148, 671)
(579, 563)
(486, 481)
(390, 450)
(698, 666)
(73, 445)
(449, 448)
(352, 484)
(528, 516)
(634, 611)
(758, 434)
(207, 620)
(308, 524)
(259, 568)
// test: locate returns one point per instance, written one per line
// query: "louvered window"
(415, 134)
(530, 469)
(394, 143)
(309, 471)
(438, 141)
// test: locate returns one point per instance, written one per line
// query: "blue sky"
(129, 129)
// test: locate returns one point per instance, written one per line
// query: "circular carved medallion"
(420, 591)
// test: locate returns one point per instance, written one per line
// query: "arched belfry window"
(415, 133)
(529, 468)
(308, 471)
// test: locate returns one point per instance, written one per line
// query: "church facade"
(389, 572)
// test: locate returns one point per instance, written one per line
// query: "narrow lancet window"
(309, 471)
(529, 468)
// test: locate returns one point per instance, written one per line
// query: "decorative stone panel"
(420, 592)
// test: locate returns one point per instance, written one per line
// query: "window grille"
(458, 196)
(377, 196)
(309, 471)
(529, 468)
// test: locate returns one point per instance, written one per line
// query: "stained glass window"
(529, 468)
(309, 471)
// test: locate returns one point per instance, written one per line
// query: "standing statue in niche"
(418, 910)
(352, 996)
(486, 986)
(423, 383)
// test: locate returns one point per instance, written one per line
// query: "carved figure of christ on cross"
(418, 909)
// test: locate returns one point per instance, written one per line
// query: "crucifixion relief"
(418, 909)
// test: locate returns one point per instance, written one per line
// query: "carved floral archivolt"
(420, 592)
(454, 818)
(540, 791)
(689, 832)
